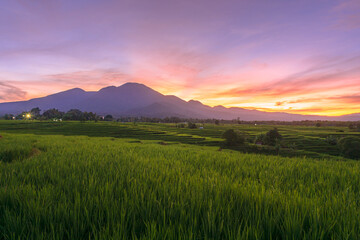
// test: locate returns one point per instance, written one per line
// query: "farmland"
(308, 141)
(110, 180)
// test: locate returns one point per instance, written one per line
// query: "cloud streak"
(10, 93)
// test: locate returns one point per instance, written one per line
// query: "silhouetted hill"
(134, 99)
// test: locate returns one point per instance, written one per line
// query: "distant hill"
(134, 99)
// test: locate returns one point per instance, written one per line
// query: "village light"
(28, 115)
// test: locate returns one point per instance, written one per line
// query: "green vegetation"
(109, 180)
(191, 125)
(350, 147)
(271, 138)
(233, 138)
(309, 141)
(54, 114)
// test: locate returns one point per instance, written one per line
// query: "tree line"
(55, 114)
(76, 114)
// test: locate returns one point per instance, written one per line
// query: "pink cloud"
(9, 92)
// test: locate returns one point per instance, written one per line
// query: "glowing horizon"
(288, 56)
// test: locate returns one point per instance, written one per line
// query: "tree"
(19, 116)
(350, 147)
(191, 125)
(52, 113)
(233, 138)
(108, 117)
(318, 124)
(23, 115)
(35, 112)
(271, 138)
(74, 114)
(217, 122)
(260, 139)
(89, 116)
(9, 117)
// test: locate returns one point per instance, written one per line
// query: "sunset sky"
(280, 55)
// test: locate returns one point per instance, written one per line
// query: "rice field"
(113, 181)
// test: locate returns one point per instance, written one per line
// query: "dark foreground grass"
(57, 187)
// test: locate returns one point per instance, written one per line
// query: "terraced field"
(105, 129)
(298, 140)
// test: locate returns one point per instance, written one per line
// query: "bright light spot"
(28, 115)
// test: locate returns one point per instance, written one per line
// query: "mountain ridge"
(136, 99)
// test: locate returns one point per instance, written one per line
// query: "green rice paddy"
(111, 180)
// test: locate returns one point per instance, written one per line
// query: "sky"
(296, 56)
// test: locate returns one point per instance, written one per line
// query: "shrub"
(108, 117)
(233, 138)
(8, 117)
(350, 147)
(260, 139)
(272, 137)
(332, 140)
(191, 125)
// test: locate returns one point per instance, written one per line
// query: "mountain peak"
(195, 102)
(134, 85)
(128, 84)
(70, 91)
(75, 90)
(138, 89)
(220, 107)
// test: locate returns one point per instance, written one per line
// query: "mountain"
(134, 99)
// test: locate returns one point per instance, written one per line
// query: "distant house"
(201, 127)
